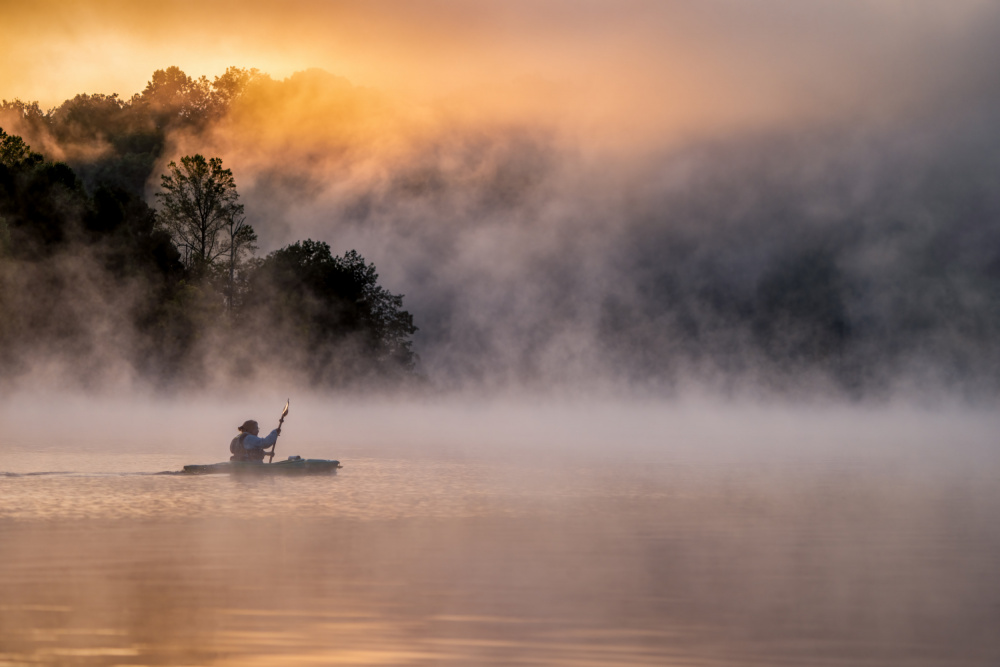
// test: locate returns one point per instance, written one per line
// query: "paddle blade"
(284, 413)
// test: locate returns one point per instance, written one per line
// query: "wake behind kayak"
(292, 466)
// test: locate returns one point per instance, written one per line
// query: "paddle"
(284, 413)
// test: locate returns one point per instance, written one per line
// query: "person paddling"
(248, 447)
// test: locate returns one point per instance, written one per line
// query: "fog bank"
(655, 199)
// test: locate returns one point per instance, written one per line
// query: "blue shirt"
(253, 442)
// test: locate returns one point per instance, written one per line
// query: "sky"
(570, 190)
(659, 68)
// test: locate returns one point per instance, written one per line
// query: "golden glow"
(631, 70)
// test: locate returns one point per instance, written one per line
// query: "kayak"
(292, 466)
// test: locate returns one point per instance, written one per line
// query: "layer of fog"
(855, 256)
(819, 215)
(781, 534)
(696, 431)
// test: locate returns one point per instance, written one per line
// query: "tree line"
(115, 142)
(89, 269)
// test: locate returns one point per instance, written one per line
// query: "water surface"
(750, 551)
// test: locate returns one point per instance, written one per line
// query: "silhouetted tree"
(67, 227)
(4, 237)
(242, 241)
(334, 308)
(115, 142)
(22, 115)
(199, 201)
(41, 201)
(52, 233)
(172, 97)
(14, 151)
(108, 141)
(229, 87)
(89, 118)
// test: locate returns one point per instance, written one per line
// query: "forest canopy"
(97, 285)
(854, 258)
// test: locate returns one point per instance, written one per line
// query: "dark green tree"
(198, 203)
(4, 237)
(229, 87)
(14, 152)
(174, 98)
(335, 310)
(41, 201)
(89, 118)
(242, 242)
(22, 115)
(53, 234)
(116, 142)
(108, 141)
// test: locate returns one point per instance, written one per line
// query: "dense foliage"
(95, 282)
(115, 142)
(320, 305)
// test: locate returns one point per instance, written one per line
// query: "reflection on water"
(465, 560)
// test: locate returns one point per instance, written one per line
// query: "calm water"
(463, 554)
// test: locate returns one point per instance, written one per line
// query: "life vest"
(241, 453)
(236, 448)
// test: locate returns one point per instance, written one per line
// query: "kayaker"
(248, 447)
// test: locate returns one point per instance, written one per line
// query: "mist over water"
(771, 217)
(852, 259)
(707, 302)
(488, 532)
(848, 256)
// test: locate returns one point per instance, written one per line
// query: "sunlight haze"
(639, 70)
(490, 333)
